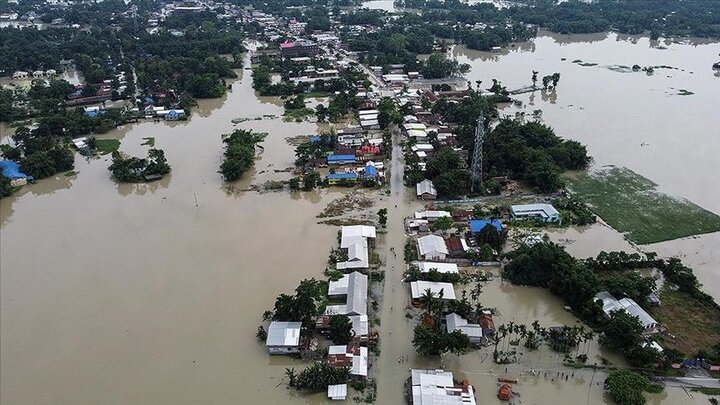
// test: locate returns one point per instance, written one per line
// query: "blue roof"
(338, 158)
(340, 176)
(12, 170)
(315, 138)
(476, 225)
(370, 171)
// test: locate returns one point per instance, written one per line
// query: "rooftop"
(425, 267)
(281, 333)
(418, 288)
(476, 225)
(431, 244)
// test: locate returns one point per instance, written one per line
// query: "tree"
(318, 376)
(239, 154)
(534, 77)
(491, 236)
(310, 180)
(340, 329)
(438, 66)
(6, 189)
(261, 334)
(441, 224)
(382, 217)
(294, 184)
(626, 387)
(427, 341)
(622, 331)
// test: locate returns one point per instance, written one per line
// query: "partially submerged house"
(435, 387)
(425, 190)
(418, 289)
(425, 267)
(353, 356)
(542, 212)
(611, 304)
(355, 240)
(337, 392)
(432, 247)
(283, 337)
(473, 330)
(353, 287)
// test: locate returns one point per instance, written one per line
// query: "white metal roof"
(431, 244)
(425, 186)
(339, 287)
(544, 210)
(337, 392)
(282, 333)
(431, 214)
(436, 387)
(416, 133)
(457, 322)
(360, 324)
(611, 304)
(425, 267)
(417, 289)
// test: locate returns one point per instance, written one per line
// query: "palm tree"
(291, 375)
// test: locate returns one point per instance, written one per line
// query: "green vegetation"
(578, 281)
(105, 146)
(678, 310)
(130, 169)
(382, 217)
(340, 329)
(659, 17)
(631, 204)
(39, 154)
(149, 141)
(626, 387)
(239, 153)
(438, 66)
(304, 305)
(430, 337)
(317, 377)
(6, 189)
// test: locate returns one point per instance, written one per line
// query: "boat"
(507, 380)
(504, 393)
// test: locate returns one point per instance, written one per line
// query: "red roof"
(287, 45)
(453, 243)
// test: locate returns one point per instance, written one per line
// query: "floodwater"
(627, 118)
(152, 293)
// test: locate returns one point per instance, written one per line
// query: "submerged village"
(379, 222)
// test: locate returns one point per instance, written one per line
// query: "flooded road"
(633, 119)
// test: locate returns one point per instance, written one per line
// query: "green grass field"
(631, 204)
(105, 146)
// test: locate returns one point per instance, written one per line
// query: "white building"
(426, 190)
(425, 267)
(354, 287)
(354, 241)
(432, 215)
(473, 330)
(418, 288)
(337, 392)
(432, 247)
(543, 212)
(611, 304)
(283, 337)
(437, 387)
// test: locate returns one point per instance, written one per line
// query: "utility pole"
(477, 158)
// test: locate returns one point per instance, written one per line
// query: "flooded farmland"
(152, 293)
(627, 118)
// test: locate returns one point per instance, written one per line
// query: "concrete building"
(437, 387)
(431, 215)
(432, 247)
(543, 212)
(283, 337)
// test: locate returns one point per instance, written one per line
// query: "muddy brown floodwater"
(627, 118)
(119, 294)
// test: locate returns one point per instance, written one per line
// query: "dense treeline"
(578, 281)
(660, 17)
(533, 153)
(38, 154)
(130, 169)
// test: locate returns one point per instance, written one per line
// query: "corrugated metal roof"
(337, 392)
(477, 225)
(425, 187)
(425, 267)
(417, 289)
(282, 333)
(431, 244)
